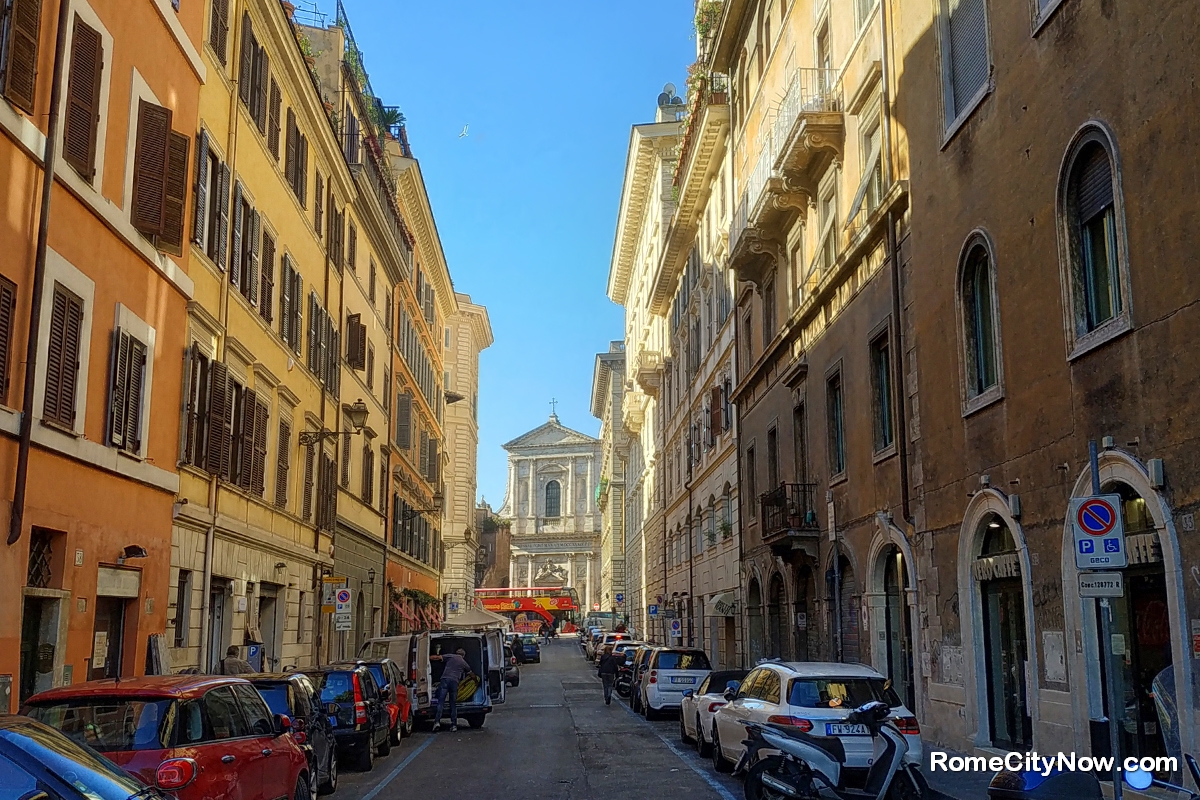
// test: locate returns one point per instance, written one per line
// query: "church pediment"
(549, 436)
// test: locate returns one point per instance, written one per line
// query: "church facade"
(550, 505)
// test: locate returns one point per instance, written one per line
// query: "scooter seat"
(829, 745)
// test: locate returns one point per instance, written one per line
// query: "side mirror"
(283, 724)
(731, 690)
(332, 709)
(689, 693)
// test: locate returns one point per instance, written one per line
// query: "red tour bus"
(530, 608)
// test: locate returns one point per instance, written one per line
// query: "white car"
(697, 708)
(669, 673)
(815, 697)
(604, 641)
(625, 646)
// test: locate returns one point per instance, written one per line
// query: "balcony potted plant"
(726, 529)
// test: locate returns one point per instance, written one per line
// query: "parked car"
(669, 673)
(641, 659)
(357, 711)
(585, 637)
(485, 655)
(603, 641)
(625, 646)
(512, 672)
(816, 698)
(195, 736)
(293, 695)
(394, 686)
(697, 708)
(37, 761)
(530, 649)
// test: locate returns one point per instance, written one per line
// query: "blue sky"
(526, 203)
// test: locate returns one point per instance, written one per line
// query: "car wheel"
(720, 763)
(702, 746)
(396, 733)
(683, 734)
(314, 784)
(408, 726)
(302, 789)
(476, 720)
(650, 713)
(385, 747)
(331, 775)
(366, 758)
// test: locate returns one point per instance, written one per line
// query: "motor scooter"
(810, 767)
(1057, 784)
(624, 683)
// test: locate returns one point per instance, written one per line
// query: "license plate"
(682, 680)
(845, 729)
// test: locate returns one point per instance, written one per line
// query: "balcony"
(365, 159)
(809, 122)
(647, 371)
(789, 515)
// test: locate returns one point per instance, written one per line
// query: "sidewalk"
(954, 785)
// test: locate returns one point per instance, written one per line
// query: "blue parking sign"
(1112, 545)
(1087, 546)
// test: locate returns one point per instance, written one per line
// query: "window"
(8, 312)
(356, 342)
(183, 607)
(553, 499)
(245, 246)
(295, 163)
(881, 390)
(345, 453)
(751, 475)
(275, 107)
(253, 76)
(800, 443)
(62, 357)
(862, 9)
(768, 300)
(224, 715)
(979, 320)
(306, 507)
(352, 249)
(20, 53)
(218, 30)
(318, 202)
(266, 291)
(83, 99)
(290, 304)
(727, 404)
(835, 421)
(1092, 229)
(870, 188)
(368, 474)
(383, 481)
(126, 390)
(258, 716)
(371, 284)
(772, 458)
(282, 458)
(966, 65)
(324, 343)
(159, 178)
(403, 436)
(827, 219)
(210, 202)
(747, 342)
(371, 367)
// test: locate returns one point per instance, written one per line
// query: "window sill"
(955, 126)
(836, 480)
(138, 457)
(1113, 329)
(982, 400)
(60, 428)
(1043, 16)
(883, 455)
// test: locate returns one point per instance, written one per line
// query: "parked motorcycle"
(1035, 785)
(810, 767)
(624, 684)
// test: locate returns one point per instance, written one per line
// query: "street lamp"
(356, 415)
(371, 575)
(438, 499)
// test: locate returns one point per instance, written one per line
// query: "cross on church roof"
(553, 409)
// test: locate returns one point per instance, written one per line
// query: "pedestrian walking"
(231, 664)
(610, 665)
(545, 631)
(455, 669)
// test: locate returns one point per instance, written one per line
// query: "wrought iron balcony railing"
(788, 510)
(812, 91)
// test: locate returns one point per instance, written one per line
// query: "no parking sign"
(1099, 532)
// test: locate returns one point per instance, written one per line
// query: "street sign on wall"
(1099, 532)
(652, 610)
(329, 586)
(676, 627)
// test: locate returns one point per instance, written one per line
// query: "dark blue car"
(530, 648)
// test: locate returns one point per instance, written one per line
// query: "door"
(216, 628)
(728, 718)
(848, 618)
(108, 636)
(1006, 654)
(232, 757)
(899, 634)
(495, 664)
(268, 627)
(39, 640)
(277, 751)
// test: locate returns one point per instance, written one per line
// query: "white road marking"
(379, 787)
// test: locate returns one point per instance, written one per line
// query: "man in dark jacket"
(232, 664)
(609, 666)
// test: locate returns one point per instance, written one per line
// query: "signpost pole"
(1110, 669)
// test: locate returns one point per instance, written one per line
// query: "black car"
(294, 695)
(512, 672)
(37, 761)
(394, 688)
(360, 720)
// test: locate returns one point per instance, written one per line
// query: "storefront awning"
(723, 605)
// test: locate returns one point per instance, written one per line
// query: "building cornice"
(411, 186)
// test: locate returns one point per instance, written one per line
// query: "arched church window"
(553, 499)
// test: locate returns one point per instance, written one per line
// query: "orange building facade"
(84, 579)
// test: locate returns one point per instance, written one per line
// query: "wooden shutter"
(434, 462)
(318, 207)
(116, 391)
(352, 247)
(83, 99)
(383, 481)
(297, 310)
(335, 364)
(262, 73)
(345, 480)
(246, 68)
(223, 220)
(266, 298)
(370, 364)
(258, 466)
(134, 392)
(1093, 183)
(969, 67)
(150, 161)
(244, 440)
(8, 310)
(218, 32)
(194, 407)
(291, 151)
(62, 361)
(368, 474)
(175, 200)
(235, 250)
(200, 191)
(371, 284)
(216, 460)
(285, 299)
(302, 169)
(714, 413)
(20, 73)
(403, 420)
(310, 459)
(356, 338)
(314, 331)
(423, 457)
(275, 107)
(252, 256)
(281, 463)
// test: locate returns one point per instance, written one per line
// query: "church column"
(570, 570)
(569, 506)
(529, 571)
(533, 513)
(514, 487)
(588, 578)
(512, 568)
(587, 499)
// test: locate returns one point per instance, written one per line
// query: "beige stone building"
(468, 332)
(608, 390)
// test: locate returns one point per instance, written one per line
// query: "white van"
(412, 651)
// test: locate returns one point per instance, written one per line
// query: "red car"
(199, 737)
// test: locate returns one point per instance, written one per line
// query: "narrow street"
(553, 739)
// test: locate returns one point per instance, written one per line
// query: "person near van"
(610, 665)
(455, 669)
(232, 665)
(545, 632)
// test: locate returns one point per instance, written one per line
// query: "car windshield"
(276, 695)
(336, 687)
(112, 724)
(377, 672)
(91, 774)
(670, 659)
(529, 639)
(845, 693)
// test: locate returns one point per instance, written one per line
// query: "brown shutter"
(352, 249)
(275, 106)
(245, 439)
(176, 194)
(117, 386)
(345, 481)
(302, 169)
(218, 33)
(8, 310)
(223, 220)
(714, 414)
(83, 99)
(281, 463)
(383, 481)
(318, 206)
(352, 341)
(310, 458)
(370, 364)
(297, 310)
(62, 360)
(193, 408)
(246, 69)
(267, 289)
(200, 191)
(150, 162)
(258, 466)
(285, 299)
(217, 458)
(262, 73)
(235, 249)
(291, 151)
(134, 392)
(423, 457)
(403, 420)
(20, 73)
(368, 474)
(434, 463)
(252, 255)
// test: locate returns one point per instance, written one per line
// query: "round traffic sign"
(343, 596)
(1096, 517)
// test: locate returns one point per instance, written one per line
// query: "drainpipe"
(49, 160)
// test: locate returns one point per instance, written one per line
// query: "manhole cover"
(547, 705)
